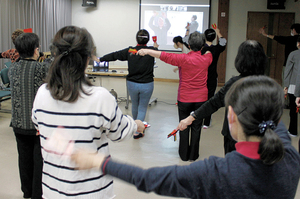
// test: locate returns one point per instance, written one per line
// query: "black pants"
(211, 86)
(190, 137)
(30, 164)
(293, 127)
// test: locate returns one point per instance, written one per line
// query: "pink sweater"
(193, 69)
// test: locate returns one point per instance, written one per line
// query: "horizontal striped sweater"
(89, 123)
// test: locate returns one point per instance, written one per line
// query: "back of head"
(142, 37)
(177, 39)
(210, 34)
(194, 17)
(72, 47)
(251, 58)
(258, 103)
(26, 43)
(296, 26)
(15, 34)
(196, 41)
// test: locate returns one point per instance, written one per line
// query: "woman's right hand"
(142, 52)
(262, 31)
(86, 159)
(185, 123)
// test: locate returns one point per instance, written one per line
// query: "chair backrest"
(4, 76)
(7, 64)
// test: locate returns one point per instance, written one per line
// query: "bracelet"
(268, 36)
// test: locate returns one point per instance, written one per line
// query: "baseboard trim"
(166, 80)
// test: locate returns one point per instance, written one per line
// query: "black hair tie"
(265, 125)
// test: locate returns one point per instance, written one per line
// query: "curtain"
(45, 17)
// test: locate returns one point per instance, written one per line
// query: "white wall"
(114, 23)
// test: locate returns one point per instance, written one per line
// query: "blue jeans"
(140, 94)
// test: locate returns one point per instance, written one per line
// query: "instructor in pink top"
(192, 90)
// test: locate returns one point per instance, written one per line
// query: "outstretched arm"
(152, 53)
(170, 181)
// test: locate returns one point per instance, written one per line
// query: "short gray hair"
(196, 41)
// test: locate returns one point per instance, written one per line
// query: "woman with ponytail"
(265, 164)
(69, 108)
(140, 78)
(256, 114)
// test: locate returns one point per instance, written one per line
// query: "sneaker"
(205, 127)
(147, 125)
(138, 136)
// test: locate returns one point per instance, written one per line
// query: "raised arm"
(262, 32)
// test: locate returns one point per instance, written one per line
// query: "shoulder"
(42, 90)
(98, 92)
(208, 55)
(232, 80)
(295, 53)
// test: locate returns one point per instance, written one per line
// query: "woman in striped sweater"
(88, 117)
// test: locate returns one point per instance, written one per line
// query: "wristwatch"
(193, 114)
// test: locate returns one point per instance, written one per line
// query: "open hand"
(86, 159)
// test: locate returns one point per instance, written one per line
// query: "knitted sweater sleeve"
(118, 126)
(169, 181)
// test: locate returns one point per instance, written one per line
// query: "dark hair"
(26, 43)
(15, 34)
(71, 47)
(142, 36)
(195, 17)
(210, 34)
(179, 39)
(196, 41)
(255, 100)
(296, 26)
(251, 58)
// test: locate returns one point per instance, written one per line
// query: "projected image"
(168, 21)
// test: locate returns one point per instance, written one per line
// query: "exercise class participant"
(192, 90)
(140, 75)
(265, 164)
(68, 106)
(216, 50)
(250, 60)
